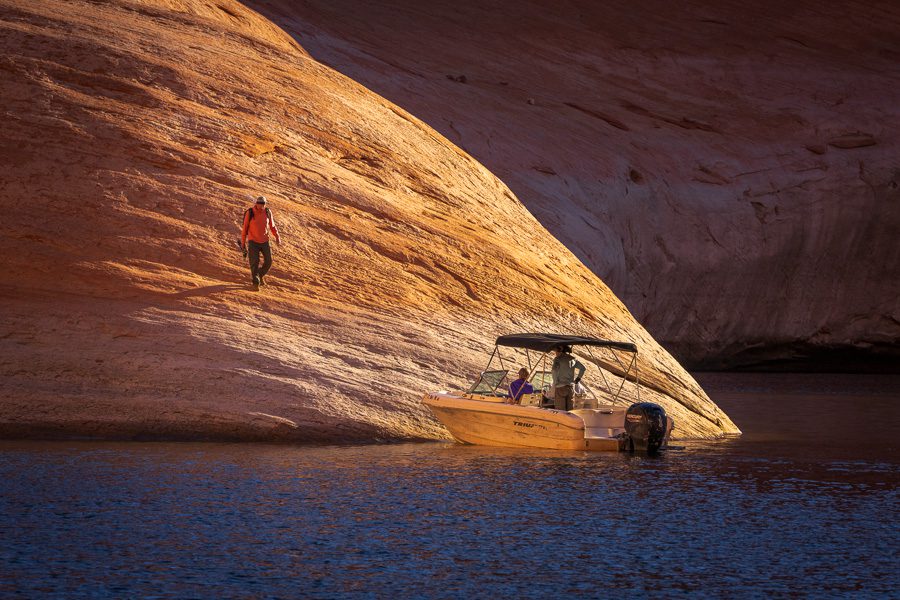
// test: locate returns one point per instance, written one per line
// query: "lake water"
(804, 504)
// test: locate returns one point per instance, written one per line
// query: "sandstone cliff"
(135, 133)
(728, 168)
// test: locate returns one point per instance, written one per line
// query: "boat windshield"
(541, 380)
(488, 382)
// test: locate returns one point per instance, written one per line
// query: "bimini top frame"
(547, 342)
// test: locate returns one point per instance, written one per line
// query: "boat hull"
(487, 421)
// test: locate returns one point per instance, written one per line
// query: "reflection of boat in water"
(485, 414)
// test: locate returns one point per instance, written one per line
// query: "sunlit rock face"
(728, 168)
(135, 134)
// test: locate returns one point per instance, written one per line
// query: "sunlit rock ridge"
(135, 134)
(728, 168)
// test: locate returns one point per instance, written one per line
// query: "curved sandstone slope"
(134, 134)
(728, 168)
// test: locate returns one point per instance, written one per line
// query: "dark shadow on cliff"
(209, 290)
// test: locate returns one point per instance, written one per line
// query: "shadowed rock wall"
(728, 168)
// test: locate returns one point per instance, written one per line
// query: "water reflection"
(774, 512)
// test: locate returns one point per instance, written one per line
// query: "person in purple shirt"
(520, 387)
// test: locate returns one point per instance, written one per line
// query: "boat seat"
(530, 399)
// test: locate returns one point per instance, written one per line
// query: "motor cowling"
(645, 427)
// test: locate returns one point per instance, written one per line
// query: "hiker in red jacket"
(258, 222)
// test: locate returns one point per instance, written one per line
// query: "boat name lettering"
(529, 425)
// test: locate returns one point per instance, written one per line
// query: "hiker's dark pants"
(254, 249)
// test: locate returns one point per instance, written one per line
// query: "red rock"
(135, 134)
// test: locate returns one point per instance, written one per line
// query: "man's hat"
(261, 200)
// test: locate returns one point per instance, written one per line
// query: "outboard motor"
(645, 427)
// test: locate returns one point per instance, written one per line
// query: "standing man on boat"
(564, 378)
(258, 223)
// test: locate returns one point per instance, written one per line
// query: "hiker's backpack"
(251, 211)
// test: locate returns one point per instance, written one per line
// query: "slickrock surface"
(134, 135)
(728, 168)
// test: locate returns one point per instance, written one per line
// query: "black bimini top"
(545, 342)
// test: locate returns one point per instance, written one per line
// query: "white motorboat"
(608, 420)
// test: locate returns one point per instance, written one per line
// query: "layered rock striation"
(728, 168)
(135, 134)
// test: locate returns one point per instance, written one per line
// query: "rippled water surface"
(805, 503)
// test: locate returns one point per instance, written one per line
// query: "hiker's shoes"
(256, 281)
(262, 280)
